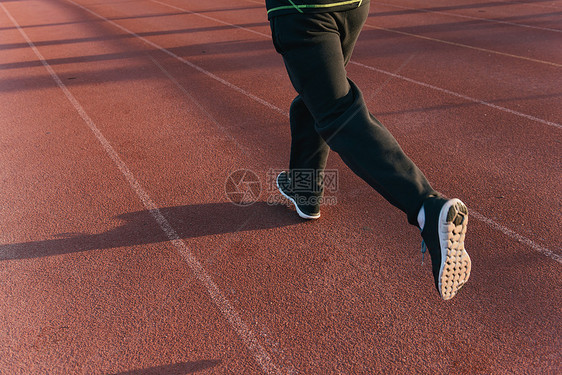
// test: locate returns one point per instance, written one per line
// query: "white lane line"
(427, 85)
(492, 20)
(462, 96)
(244, 150)
(532, 4)
(269, 105)
(233, 317)
(519, 238)
(188, 63)
(419, 37)
(209, 18)
(464, 46)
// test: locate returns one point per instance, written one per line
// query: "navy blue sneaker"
(443, 235)
(306, 204)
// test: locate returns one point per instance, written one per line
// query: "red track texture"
(120, 252)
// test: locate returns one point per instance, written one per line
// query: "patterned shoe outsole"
(455, 262)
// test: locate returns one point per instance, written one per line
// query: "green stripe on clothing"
(314, 6)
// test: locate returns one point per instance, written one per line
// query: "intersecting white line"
(491, 20)
(233, 317)
(494, 224)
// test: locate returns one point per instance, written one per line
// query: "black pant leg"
(309, 151)
(313, 46)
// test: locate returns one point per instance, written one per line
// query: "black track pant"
(330, 112)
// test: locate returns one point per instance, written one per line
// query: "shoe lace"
(423, 250)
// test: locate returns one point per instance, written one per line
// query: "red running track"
(120, 252)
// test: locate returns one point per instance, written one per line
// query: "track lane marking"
(522, 239)
(464, 45)
(458, 95)
(199, 106)
(532, 4)
(186, 62)
(427, 85)
(208, 17)
(508, 232)
(492, 20)
(241, 328)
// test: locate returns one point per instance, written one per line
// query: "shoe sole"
(299, 212)
(455, 262)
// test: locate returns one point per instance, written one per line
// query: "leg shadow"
(175, 369)
(140, 228)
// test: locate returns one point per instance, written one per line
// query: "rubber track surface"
(121, 253)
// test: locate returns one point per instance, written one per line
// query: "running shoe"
(443, 235)
(306, 204)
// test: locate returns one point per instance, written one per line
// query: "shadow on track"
(141, 228)
(175, 369)
(478, 6)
